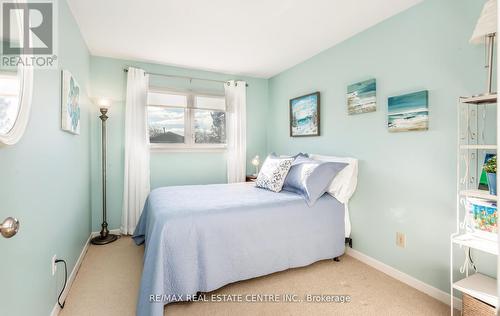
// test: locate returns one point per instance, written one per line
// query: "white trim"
(72, 276)
(405, 278)
(187, 148)
(175, 107)
(25, 75)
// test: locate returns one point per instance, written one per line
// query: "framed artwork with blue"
(408, 112)
(362, 97)
(70, 104)
(305, 115)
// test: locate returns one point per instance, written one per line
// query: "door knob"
(9, 227)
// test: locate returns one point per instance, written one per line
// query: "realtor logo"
(28, 33)
(35, 28)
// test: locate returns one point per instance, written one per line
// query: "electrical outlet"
(400, 240)
(54, 266)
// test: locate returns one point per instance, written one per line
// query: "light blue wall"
(108, 79)
(407, 181)
(45, 183)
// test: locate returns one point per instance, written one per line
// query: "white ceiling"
(257, 38)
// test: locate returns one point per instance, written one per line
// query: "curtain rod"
(181, 77)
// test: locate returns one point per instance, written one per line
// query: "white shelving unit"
(479, 286)
(472, 144)
(482, 194)
(474, 242)
(485, 147)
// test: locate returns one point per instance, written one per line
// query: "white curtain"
(236, 103)
(136, 182)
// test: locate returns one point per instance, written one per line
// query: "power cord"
(65, 280)
(472, 262)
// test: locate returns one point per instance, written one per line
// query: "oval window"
(16, 86)
(9, 101)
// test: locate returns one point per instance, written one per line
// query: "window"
(9, 101)
(186, 120)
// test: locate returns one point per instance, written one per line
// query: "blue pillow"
(310, 178)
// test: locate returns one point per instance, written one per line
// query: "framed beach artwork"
(70, 104)
(409, 112)
(362, 97)
(304, 115)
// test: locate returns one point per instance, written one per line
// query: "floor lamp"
(486, 28)
(104, 236)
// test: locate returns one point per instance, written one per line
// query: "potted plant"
(491, 171)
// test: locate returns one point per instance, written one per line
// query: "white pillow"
(273, 173)
(344, 184)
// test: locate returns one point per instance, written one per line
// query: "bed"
(202, 237)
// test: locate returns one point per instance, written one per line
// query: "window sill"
(157, 148)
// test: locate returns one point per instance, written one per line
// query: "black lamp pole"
(104, 237)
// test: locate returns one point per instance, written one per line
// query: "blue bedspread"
(200, 238)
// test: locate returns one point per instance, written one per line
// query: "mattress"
(200, 238)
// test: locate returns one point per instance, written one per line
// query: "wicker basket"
(474, 307)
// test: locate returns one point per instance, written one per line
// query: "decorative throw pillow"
(310, 178)
(273, 173)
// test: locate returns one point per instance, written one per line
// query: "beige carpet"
(108, 282)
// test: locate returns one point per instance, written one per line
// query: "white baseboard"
(405, 278)
(57, 309)
(72, 276)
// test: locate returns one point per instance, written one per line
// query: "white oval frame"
(25, 75)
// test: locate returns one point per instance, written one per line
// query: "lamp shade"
(256, 161)
(487, 23)
(103, 103)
